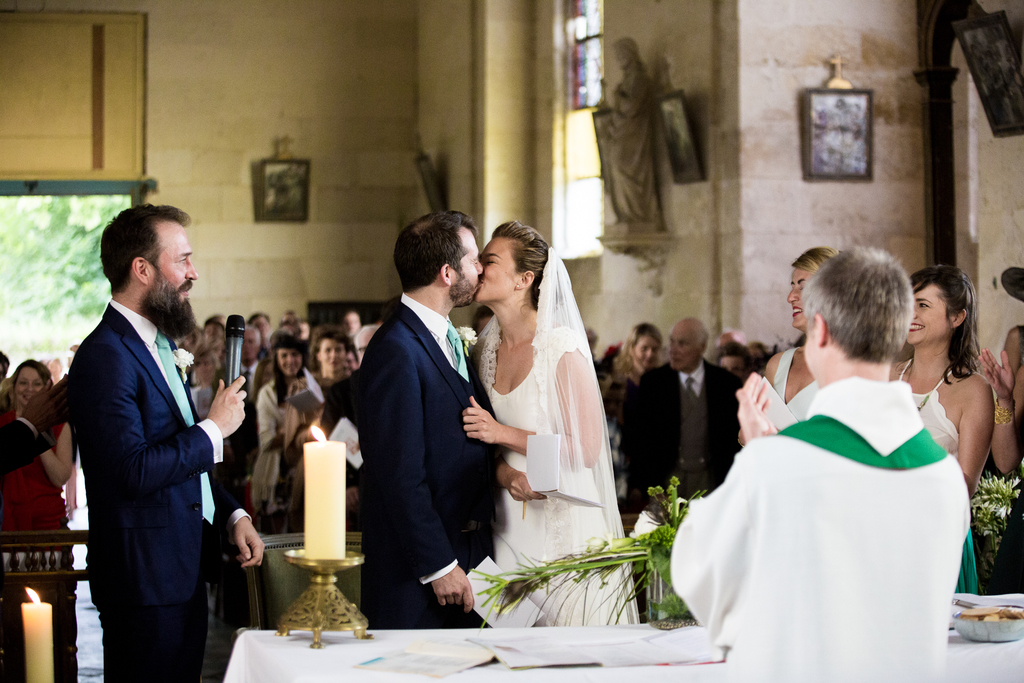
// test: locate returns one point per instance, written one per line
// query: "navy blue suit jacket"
(423, 480)
(141, 465)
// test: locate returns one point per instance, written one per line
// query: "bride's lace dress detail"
(560, 395)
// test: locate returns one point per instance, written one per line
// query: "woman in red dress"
(32, 494)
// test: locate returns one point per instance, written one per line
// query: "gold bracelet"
(1003, 415)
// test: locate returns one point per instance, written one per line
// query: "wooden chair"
(275, 584)
(42, 561)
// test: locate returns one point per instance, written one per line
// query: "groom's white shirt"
(437, 325)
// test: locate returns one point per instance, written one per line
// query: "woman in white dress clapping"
(535, 363)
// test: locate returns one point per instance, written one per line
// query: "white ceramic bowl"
(989, 631)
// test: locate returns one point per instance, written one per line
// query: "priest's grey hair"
(865, 298)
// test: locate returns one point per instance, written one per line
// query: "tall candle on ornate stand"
(37, 618)
(325, 497)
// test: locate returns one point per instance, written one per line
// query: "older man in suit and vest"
(687, 414)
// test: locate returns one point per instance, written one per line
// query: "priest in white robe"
(832, 550)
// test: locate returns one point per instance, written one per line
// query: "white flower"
(183, 359)
(645, 524)
(468, 337)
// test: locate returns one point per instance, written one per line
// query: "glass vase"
(665, 609)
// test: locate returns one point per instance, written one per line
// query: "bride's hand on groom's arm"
(480, 424)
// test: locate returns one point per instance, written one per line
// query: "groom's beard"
(462, 291)
(165, 308)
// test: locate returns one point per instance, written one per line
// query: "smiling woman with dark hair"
(953, 399)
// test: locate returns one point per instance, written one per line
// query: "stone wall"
(225, 79)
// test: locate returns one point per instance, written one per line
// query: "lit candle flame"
(317, 433)
(32, 594)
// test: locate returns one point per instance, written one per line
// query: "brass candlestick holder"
(322, 606)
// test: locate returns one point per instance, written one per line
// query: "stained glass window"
(586, 25)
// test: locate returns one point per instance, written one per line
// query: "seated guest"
(831, 551)
(352, 322)
(269, 479)
(952, 399)
(787, 372)
(261, 321)
(735, 358)
(685, 421)
(5, 365)
(250, 357)
(329, 352)
(759, 355)
(32, 494)
(205, 365)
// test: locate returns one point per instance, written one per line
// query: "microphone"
(234, 331)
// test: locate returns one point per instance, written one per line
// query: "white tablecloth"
(262, 657)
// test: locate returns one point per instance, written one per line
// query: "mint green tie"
(163, 349)
(460, 356)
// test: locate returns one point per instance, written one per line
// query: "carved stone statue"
(631, 180)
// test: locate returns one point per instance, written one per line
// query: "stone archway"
(935, 48)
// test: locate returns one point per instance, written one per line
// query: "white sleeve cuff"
(35, 432)
(438, 574)
(216, 438)
(235, 516)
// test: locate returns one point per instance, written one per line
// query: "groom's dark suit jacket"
(147, 543)
(425, 496)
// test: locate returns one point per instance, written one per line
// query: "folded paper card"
(311, 399)
(435, 658)
(346, 433)
(543, 464)
(524, 615)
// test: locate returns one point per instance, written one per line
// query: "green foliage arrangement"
(990, 508)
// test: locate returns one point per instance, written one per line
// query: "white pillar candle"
(37, 619)
(325, 498)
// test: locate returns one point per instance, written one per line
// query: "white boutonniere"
(468, 337)
(183, 359)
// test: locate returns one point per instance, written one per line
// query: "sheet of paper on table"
(691, 642)
(346, 433)
(435, 658)
(537, 651)
(542, 465)
(524, 615)
(777, 411)
(310, 399)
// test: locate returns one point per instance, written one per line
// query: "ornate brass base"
(322, 606)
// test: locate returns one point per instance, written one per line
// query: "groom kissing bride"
(426, 497)
(428, 463)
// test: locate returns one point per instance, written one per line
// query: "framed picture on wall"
(837, 134)
(281, 190)
(682, 151)
(995, 67)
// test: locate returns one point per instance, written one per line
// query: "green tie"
(460, 356)
(163, 348)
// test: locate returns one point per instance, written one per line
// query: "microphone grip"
(234, 364)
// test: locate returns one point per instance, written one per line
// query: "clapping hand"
(49, 407)
(999, 376)
(753, 400)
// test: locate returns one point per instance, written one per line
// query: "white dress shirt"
(437, 325)
(147, 331)
(698, 378)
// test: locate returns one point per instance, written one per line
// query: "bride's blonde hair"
(529, 251)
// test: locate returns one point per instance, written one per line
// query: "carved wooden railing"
(42, 561)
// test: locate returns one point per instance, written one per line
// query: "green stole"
(918, 451)
(833, 436)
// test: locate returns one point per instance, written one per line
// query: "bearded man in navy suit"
(426, 504)
(155, 518)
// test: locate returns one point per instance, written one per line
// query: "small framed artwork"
(995, 67)
(682, 151)
(837, 134)
(281, 190)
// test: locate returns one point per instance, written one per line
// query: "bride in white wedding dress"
(534, 360)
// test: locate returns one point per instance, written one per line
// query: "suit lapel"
(450, 374)
(130, 338)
